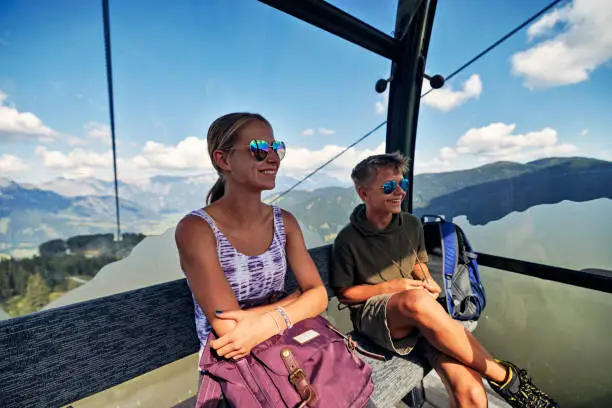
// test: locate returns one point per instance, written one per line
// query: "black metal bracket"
(335, 21)
(436, 82)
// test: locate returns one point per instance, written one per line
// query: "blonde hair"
(222, 136)
(366, 170)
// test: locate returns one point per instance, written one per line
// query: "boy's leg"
(416, 308)
(372, 321)
(463, 385)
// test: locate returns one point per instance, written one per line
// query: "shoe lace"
(534, 394)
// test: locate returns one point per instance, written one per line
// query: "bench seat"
(58, 356)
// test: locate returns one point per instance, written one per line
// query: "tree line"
(28, 284)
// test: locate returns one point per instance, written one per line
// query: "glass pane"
(175, 70)
(559, 333)
(57, 212)
(515, 149)
(294, 74)
(174, 73)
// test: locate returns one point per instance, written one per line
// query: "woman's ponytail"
(216, 191)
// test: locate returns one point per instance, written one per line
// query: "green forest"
(28, 284)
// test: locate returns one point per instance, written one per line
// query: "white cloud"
(98, 131)
(446, 99)
(300, 160)
(190, 153)
(380, 107)
(11, 164)
(321, 131)
(75, 141)
(497, 142)
(584, 132)
(190, 156)
(75, 159)
(81, 162)
(187, 156)
(546, 23)
(17, 125)
(325, 131)
(582, 44)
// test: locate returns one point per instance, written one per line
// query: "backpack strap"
(450, 254)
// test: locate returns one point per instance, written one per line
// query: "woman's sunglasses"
(391, 185)
(261, 148)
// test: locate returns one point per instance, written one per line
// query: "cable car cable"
(498, 42)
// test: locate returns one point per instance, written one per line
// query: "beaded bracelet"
(285, 317)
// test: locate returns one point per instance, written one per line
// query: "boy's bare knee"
(415, 303)
(471, 393)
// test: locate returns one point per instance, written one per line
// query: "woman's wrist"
(274, 322)
(285, 318)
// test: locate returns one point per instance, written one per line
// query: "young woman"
(235, 250)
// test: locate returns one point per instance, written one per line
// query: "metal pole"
(111, 107)
(412, 30)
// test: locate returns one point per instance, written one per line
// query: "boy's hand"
(432, 287)
(402, 284)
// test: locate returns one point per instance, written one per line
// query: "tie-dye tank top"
(250, 277)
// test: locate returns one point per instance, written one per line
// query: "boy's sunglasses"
(391, 185)
(261, 148)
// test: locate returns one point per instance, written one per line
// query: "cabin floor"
(436, 396)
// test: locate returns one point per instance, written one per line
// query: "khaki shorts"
(371, 320)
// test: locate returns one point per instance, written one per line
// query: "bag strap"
(209, 394)
(298, 378)
(353, 345)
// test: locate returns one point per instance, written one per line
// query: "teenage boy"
(380, 271)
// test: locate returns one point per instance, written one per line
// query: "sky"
(177, 66)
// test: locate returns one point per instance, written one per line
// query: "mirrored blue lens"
(259, 149)
(389, 186)
(280, 148)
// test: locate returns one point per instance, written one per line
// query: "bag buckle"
(293, 376)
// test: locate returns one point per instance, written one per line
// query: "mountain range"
(60, 208)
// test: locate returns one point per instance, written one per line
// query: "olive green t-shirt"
(363, 254)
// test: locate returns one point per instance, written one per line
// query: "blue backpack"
(453, 266)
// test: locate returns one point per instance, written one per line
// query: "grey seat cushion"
(395, 377)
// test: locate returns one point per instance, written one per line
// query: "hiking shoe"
(519, 391)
